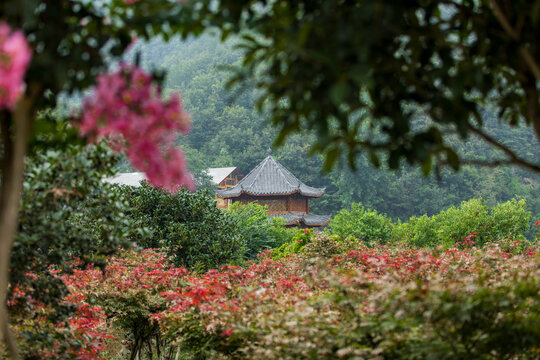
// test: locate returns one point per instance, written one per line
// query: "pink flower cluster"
(127, 108)
(15, 56)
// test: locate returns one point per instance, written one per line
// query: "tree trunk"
(135, 348)
(15, 142)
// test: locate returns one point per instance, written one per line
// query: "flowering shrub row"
(382, 302)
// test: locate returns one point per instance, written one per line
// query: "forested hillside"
(228, 131)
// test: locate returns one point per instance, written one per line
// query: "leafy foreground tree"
(53, 56)
(225, 134)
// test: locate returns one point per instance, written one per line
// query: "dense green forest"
(228, 131)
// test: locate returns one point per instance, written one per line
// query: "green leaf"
(339, 92)
(453, 159)
(426, 165)
(330, 159)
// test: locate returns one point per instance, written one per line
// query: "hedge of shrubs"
(378, 302)
(509, 220)
(198, 235)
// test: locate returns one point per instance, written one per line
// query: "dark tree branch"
(513, 158)
(491, 164)
(533, 106)
(514, 34)
(6, 168)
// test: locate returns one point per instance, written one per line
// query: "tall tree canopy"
(61, 46)
(234, 134)
(360, 72)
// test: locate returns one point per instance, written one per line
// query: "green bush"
(188, 226)
(260, 232)
(456, 223)
(509, 220)
(324, 245)
(67, 212)
(296, 245)
(367, 225)
(504, 221)
(313, 244)
(422, 231)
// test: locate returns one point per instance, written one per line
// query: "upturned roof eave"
(243, 192)
(302, 220)
(321, 224)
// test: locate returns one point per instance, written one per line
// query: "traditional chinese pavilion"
(271, 184)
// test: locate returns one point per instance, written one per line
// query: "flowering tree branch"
(128, 108)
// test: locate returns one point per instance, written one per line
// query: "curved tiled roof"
(220, 174)
(134, 179)
(308, 219)
(270, 178)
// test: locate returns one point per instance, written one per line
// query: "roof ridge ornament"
(269, 151)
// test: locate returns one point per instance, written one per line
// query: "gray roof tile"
(270, 178)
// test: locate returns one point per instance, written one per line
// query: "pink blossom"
(127, 109)
(15, 56)
(227, 332)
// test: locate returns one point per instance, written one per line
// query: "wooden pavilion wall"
(279, 203)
